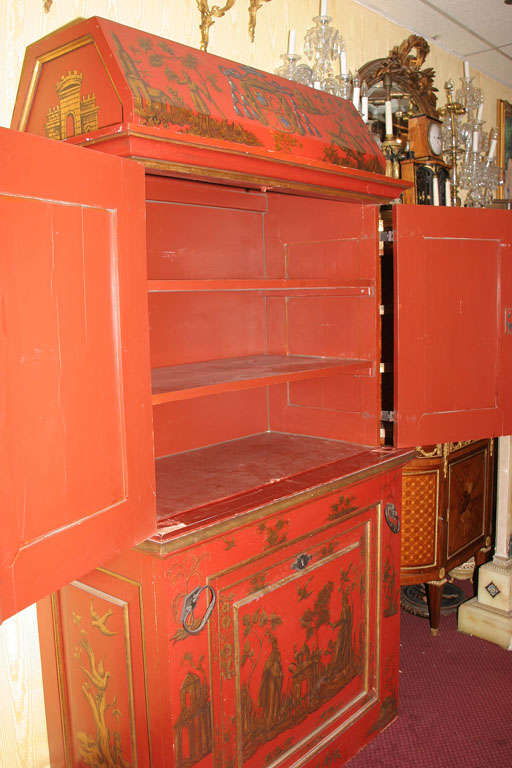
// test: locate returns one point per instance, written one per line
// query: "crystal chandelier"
(327, 71)
(469, 149)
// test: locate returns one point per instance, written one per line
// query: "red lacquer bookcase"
(213, 396)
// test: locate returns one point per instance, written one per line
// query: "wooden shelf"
(189, 480)
(265, 287)
(200, 487)
(183, 382)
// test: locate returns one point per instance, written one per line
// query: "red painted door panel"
(298, 646)
(75, 416)
(453, 344)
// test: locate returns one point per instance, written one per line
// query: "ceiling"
(480, 32)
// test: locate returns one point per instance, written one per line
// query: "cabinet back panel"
(341, 408)
(331, 327)
(169, 190)
(189, 424)
(197, 241)
(348, 394)
(334, 259)
(189, 327)
(320, 239)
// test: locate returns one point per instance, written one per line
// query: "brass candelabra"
(453, 109)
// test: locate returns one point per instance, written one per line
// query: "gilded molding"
(59, 658)
(435, 453)
(458, 445)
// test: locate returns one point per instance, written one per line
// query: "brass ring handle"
(187, 612)
(391, 517)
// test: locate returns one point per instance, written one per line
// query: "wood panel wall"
(23, 741)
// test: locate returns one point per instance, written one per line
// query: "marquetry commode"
(447, 505)
(205, 491)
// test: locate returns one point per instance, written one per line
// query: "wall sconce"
(210, 13)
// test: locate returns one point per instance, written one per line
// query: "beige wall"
(367, 35)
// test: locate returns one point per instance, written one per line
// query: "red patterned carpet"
(455, 703)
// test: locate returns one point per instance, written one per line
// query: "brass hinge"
(387, 236)
(387, 415)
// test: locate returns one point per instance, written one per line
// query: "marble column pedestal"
(489, 615)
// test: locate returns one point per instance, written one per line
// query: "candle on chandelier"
(389, 119)
(356, 90)
(466, 70)
(291, 42)
(435, 191)
(492, 148)
(448, 193)
(480, 112)
(343, 63)
(323, 7)
(364, 101)
(476, 140)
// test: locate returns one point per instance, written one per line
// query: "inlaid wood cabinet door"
(77, 481)
(453, 316)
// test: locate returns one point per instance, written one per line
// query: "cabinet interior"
(264, 336)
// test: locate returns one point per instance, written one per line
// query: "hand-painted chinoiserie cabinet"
(193, 345)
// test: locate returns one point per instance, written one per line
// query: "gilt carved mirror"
(401, 75)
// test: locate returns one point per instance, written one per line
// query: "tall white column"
(489, 615)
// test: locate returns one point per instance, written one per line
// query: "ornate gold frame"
(404, 66)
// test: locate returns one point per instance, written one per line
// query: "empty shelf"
(183, 382)
(266, 287)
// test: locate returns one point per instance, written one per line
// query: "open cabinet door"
(77, 481)
(453, 324)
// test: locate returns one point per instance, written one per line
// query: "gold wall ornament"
(254, 6)
(208, 16)
(47, 4)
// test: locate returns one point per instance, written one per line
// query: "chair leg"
(435, 593)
